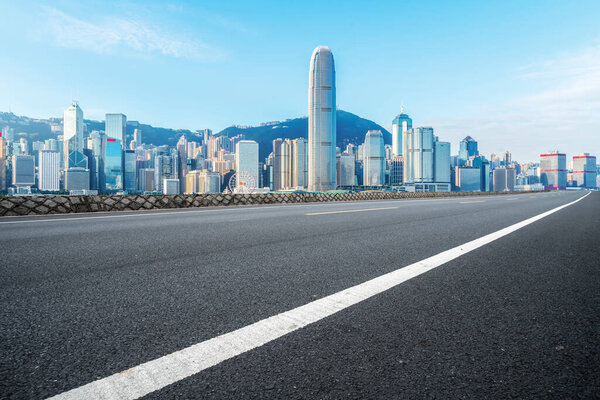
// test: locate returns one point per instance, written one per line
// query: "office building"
(584, 171)
(553, 171)
(146, 180)
(246, 158)
(442, 161)
(419, 160)
(209, 182)
(374, 159)
(129, 171)
(397, 170)
(345, 170)
(504, 179)
(321, 121)
(299, 163)
(170, 186)
(77, 179)
(116, 127)
(49, 170)
(468, 179)
(137, 137)
(182, 154)
(3, 156)
(73, 138)
(467, 148)
(400, 125)
(23, 170)
(113, 164)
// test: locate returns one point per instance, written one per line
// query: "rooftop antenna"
(401, 108)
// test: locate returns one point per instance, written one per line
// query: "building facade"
(321, 121)
(49, 170)
(400, 125)
(553, 171)
(374, 159)
(584, 171)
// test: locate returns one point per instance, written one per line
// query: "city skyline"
(546, 87)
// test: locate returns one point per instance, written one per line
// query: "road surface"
(91, 296)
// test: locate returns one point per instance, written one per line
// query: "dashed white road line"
(351, 211)
(156, 374)
(471, 202)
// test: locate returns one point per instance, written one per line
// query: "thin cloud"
(562, 115)
(112, 35)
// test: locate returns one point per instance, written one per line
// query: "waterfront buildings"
(321, 121)
(170, 186)
(468, 179)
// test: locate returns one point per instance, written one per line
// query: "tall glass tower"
(321, 121)
(400, 125)
(73, 137)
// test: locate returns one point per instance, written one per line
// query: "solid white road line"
(156, 374)
(351, 211)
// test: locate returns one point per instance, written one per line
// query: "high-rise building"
(23, 170)
(504, 179)
(146, 180)
(182, 167)
(170, 186)
(137, 137)
(374, 159)
(77, 178)
(400, 125)
(49, 170)
(468, 148)
(321, 121)
(419, 160)
(584, 171)
(397, 170)
(553, 170)
(3, 156)
(129, 171)
(165, 166)
(209, 182)
(73, 137)
(345, 170)
(246, 158)
(8, 133)
(506, 158)
(441, 165)
(191, 182)
(113, 164)
(299, 162)
(468, 179)
(116, 127)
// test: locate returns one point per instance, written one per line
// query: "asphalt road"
(87, 296)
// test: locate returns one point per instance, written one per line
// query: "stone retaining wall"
(25, 205)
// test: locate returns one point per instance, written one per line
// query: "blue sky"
(520, 75)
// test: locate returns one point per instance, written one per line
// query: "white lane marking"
(471, 202)
(158, 373)
(512, 198)
(351, 211)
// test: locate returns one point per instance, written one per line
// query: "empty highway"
(471, 297)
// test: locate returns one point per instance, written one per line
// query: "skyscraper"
(113, 164)
(23, 169)
(129, 171)
(418, 160)
(467, 148)
(441, 168)
(553, 170)
(504, 179)
(584, 170)
(400, 124)
(345, 170)
(246, 158)
(374, 159)
(49, 170)
(3, 155)
(321, 121)
(299, 162)
(116, 127)
(73, 137)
